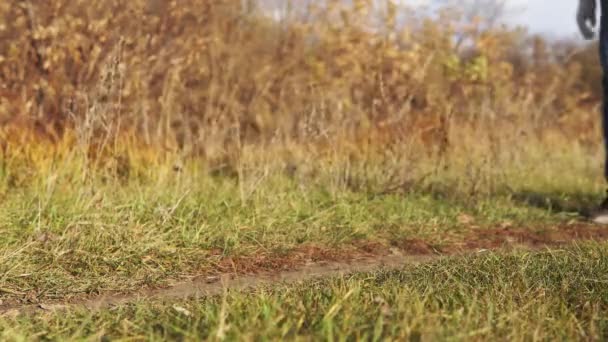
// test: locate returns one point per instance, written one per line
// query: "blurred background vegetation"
(214, 79)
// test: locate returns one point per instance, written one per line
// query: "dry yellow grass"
(148, 81)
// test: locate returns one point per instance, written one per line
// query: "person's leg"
(604, 62)
(601, 214)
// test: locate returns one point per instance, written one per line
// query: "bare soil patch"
(552, 236)
(311, 262)
(213, 285)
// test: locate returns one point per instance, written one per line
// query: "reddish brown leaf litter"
(311, 262)
(553, 236)
(505, 237)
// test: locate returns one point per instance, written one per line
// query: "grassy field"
(66, 238)
(551, 295)
(63, 237)
(207, 138)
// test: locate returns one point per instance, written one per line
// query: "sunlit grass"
(552, 295)
(66, 234)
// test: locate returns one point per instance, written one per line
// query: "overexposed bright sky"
(551, 17)
(554, 17)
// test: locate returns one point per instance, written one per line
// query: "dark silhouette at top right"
(587, 22)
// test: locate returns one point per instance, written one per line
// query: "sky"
(551, 17)
(554, 18)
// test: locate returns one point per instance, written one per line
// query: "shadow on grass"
(574, 203)
(581, 204)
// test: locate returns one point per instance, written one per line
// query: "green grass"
(64, 234)
(551, 295)
(67, 230)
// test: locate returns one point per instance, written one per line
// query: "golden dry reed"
(216, 79)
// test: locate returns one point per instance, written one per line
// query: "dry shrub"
(207, 77)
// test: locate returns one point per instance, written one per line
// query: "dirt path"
(208, 286)
(314, 263)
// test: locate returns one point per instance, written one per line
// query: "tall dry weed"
(354, 81)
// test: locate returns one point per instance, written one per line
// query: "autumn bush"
(213, 79)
